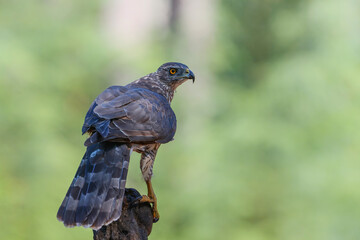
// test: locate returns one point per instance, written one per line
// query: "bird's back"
(130, 114)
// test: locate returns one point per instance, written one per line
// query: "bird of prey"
(136, 117)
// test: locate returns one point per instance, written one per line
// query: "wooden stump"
(135, 222)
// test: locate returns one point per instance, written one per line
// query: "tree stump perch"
(135, 222)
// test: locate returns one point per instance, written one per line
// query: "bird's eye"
(172, 71)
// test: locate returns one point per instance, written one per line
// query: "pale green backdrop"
(268, 139)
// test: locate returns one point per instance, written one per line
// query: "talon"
(156, 215)
(146, 199)
(151, 198)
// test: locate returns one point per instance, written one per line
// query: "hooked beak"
(190, 75)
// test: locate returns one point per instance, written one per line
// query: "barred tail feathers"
(96, 193)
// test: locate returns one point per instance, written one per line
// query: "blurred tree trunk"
(135, 222)
(174, 15)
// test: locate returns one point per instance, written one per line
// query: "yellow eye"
(172, 71)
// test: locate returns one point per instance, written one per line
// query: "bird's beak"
(190, 75)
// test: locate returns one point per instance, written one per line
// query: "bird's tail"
(96, 194)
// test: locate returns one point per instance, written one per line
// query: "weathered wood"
(135, 222)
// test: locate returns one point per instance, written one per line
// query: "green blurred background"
(268, 140)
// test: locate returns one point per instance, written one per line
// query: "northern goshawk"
(136, 117)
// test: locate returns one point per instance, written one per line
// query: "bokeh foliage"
(271, 153)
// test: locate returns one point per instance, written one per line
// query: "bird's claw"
(147, 199)
(156, 215)
(155, 219)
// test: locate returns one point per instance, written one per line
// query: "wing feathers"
(134, 115)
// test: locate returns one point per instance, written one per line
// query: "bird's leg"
(151, 198)
(146, 166)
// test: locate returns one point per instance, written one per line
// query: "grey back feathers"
(136, 116)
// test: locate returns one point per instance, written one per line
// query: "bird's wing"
(130, 115)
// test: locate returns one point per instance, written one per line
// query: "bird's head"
(174, 74)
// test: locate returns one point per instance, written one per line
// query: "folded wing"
(134, 115)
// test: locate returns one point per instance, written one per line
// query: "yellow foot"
(147, 199)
